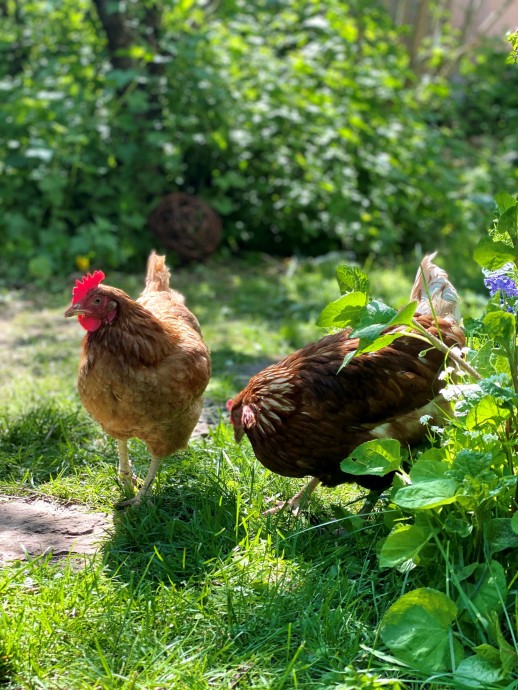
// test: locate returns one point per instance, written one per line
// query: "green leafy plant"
(454, 524)
(293, 136)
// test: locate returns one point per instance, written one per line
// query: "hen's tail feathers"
(434, 292)
(157, 278)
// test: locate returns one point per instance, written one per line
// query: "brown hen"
(304, 415)
(143, 369)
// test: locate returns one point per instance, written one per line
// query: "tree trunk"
(137, 25)
(118, 34)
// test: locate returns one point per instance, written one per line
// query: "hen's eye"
(96, 300)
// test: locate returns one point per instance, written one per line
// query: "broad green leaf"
(405, 315)
(428, 469)
(458, 526)
(376, 314)
(492, 255)
(377, 457)
(486, 412)
(347, 359)
(377, 318)
(487, 652)
(508, 653)
(426, 495)
(514, 523)
(403, 544)
(417, 630)
(508, 222)
(352, 279)
(383, 341)
(499, 386)
(500, 325)
(437, 454)
(477, 673)
(489, 589)
(368, 334)
(466, 571)
(344, 311)
(470, 463)
(504, 201)
(500, 535)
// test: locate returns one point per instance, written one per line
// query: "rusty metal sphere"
(186, 224)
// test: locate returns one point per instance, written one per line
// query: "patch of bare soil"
(36, 527)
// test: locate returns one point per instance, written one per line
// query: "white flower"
(445, 373)
(455, 391)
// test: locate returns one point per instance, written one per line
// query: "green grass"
(196, 589)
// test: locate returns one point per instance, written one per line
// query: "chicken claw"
(136, 500)
(296, 502)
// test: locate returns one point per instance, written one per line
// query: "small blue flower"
(502, 283)
(499, 282)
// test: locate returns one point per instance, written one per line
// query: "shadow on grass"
(207, 502)
(174, 536)
(208, 506)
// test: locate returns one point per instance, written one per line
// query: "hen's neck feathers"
(135, 334)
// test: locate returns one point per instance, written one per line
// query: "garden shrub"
(299, 122)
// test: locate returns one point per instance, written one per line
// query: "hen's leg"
(295, 502)
(148, 481)
(370, 502)
(125, 469)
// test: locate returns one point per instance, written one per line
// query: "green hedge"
(298, 121)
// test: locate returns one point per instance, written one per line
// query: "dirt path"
(35, 527)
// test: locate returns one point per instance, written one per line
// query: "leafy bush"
(454, 521)
(486, 95)
(72, 184)
(329, 147)
(299, 122)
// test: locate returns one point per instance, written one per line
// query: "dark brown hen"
(304, 415)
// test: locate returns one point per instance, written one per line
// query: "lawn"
(195, 589)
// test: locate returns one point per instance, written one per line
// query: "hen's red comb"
(229, 405)
(83, 287)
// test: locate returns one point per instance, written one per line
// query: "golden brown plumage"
(144, 366)
(303, 416)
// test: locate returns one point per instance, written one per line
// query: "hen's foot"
(135, 501)
(297, 502)
(370, 502)
(281, 505)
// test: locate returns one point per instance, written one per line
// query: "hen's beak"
(74, 310)
(239, 432)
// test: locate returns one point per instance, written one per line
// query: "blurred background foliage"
(310, 126)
